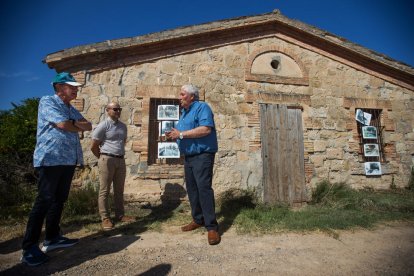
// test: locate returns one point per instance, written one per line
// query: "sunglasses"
(116, 109)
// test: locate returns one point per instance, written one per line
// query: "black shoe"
(60, 242)
(33, 256)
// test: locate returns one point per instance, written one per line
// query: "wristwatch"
(181, 136)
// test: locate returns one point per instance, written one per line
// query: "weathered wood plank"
(282, 153)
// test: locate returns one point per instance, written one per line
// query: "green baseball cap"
(67, 78)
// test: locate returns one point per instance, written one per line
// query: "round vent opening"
(275, 64)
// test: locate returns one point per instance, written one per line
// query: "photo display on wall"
(369, 140)
(363, 117)
(369, 132)
(168, 112)
(371, 150)
(166, 126)
(372, 168)
(168, 150)
(168, 116)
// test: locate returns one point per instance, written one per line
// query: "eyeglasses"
(116, 109)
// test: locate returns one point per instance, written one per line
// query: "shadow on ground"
(231, 203)
(158, 270)
(97, 244)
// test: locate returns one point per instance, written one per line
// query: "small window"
(370, 134)
(156, 127)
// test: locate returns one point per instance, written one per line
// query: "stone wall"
(327, 90)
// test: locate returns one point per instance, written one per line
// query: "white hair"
(191, 89)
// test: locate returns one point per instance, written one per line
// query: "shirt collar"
(60, 101)
(189, 108)
(111, 121)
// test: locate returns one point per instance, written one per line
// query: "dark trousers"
(53, 190)
(199, 177)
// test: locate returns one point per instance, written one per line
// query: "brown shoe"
(126, 219)
(191, 226)
(107, 224)
(213, 237)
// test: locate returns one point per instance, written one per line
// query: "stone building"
(285, 97)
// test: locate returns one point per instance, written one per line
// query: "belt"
(112, 155)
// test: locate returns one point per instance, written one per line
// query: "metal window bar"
(376, 115)
(153, 133)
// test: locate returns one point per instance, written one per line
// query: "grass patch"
(334, 207)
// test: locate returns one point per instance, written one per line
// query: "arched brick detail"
(276, 79)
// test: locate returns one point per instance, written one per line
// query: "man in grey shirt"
(108, 144)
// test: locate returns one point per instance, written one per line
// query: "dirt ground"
(385, 250)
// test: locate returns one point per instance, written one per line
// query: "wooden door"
(282, 154)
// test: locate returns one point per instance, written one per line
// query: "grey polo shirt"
(112, 135)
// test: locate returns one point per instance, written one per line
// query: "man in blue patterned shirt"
(56, 155)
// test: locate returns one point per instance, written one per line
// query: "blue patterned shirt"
(55, 146)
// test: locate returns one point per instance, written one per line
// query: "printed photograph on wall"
(167, 126)
(372, 168)
(168, 112)
(371, 150)
(363, 117)
(369, 132)
(168, 150)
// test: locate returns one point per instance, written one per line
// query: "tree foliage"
(17, 143)
(18, 128)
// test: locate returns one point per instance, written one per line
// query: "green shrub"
(16, 200)
(82, 201)
(333, 194)
(17, 175)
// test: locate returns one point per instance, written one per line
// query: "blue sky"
(32, 29)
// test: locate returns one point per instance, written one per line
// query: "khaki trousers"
(111, 170)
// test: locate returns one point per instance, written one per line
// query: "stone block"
(334, 153)
(320, 146)
(79, 76)
(309, 146)
(239, 145)
(234, 61)
(242, 156)
(139, 146)
(95, 112)
(91, 90)
(129, 91)
(205, 69)
(78, 103)
(317, 160)
(112, 90)
(137, 117)
(143, 188)
(169, 68)
(328, 124)
(227, 134)
(245, 108)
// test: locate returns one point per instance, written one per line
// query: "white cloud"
(32, 79)
(27, 76)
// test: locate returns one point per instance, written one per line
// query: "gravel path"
(387, 250)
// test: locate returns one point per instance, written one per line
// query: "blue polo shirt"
(198, 114)
(55, 146)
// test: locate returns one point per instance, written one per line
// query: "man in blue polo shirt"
(56, 155)
(197, 140)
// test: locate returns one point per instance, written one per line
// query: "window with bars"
(370, 134)
(154, 134)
